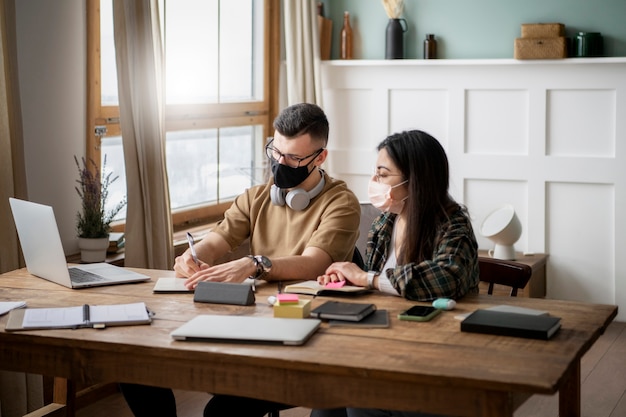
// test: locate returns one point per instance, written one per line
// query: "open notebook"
(44, 256)
(247, 329)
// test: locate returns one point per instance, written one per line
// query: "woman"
(422, 246)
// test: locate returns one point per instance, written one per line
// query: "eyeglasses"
(378, 176)
(291, 160)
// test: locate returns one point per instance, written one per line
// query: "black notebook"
(511, 324)
(341, 310)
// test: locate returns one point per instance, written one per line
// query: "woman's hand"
(344, 271)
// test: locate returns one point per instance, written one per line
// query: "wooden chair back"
(509, 273)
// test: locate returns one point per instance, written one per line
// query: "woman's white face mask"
(380, 196)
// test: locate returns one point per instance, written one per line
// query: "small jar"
(588, 44)
(430, 47)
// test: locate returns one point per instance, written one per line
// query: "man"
(298, 223)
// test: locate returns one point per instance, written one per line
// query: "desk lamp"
(503, 228)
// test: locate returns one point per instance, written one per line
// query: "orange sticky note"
(287, 299)
(336, 284)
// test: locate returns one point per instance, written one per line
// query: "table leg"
(569, 394)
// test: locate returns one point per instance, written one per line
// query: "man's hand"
(233, 271)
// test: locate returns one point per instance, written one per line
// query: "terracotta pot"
(93, 250)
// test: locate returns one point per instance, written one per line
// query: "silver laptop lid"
(247, 329)
(40, 240)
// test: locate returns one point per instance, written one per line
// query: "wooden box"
(543, 30)
(540, 48)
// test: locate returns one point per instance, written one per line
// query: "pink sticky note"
(287, 298)
(336, 284)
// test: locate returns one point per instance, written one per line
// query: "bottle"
(430, 47)
(346, 37)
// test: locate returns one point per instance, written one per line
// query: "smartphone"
(419, 313)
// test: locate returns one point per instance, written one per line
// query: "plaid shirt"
(452, 272)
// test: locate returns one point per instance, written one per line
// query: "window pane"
(196, 174)
(108, 71)
(191, 45)
(111, 148)
(198, 31)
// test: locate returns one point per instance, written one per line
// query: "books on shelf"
(314, 288)
(505, 323)
(116, 242)
(97, 316)
(340, 310)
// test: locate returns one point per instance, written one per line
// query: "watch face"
(265, 261)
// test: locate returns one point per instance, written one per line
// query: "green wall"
(475, 29)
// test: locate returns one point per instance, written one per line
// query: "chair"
(509, 273)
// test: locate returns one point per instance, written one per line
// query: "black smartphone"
(419, 313)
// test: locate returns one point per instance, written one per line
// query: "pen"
(192, 248)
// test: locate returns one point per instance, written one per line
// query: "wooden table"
(430, 367)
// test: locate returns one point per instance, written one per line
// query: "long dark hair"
(423, 162)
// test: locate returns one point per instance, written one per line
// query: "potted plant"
(93, 222)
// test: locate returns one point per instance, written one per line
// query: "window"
(221, 64)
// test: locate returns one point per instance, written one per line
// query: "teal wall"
(475, 29)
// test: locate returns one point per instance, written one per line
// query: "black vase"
(394, 46)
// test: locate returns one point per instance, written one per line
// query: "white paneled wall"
(548, 137)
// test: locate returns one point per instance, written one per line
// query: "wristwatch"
(370, 279)
(262, 263)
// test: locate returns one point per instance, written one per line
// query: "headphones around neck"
(298, 199)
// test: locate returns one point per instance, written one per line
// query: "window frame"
(186, 116)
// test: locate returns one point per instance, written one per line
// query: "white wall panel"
(497, 122)
(581, 123)
(425, 110)
(581, 237)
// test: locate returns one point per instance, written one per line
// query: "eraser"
(444, 304)
(287, 299)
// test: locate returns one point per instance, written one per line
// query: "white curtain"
(302, 52)
(20, 393)
(140, 83)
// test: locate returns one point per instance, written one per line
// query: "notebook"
(44, 256)
(247, 329)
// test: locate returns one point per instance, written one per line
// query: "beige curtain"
(19, 393)
(140, 84)
(302, 52)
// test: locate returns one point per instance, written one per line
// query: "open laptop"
(44, 256)
(247, 329)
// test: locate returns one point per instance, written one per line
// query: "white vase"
(93, 250)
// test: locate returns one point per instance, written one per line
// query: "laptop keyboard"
(80, 276)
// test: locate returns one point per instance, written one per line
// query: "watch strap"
(259, 266)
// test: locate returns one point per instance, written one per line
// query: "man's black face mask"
(288, 177)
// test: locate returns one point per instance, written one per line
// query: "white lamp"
(503, 228)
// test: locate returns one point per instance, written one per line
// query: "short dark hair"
(300, 119)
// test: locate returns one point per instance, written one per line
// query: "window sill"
(180, 244)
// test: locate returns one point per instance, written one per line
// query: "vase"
(93, 250)
(394, 45)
